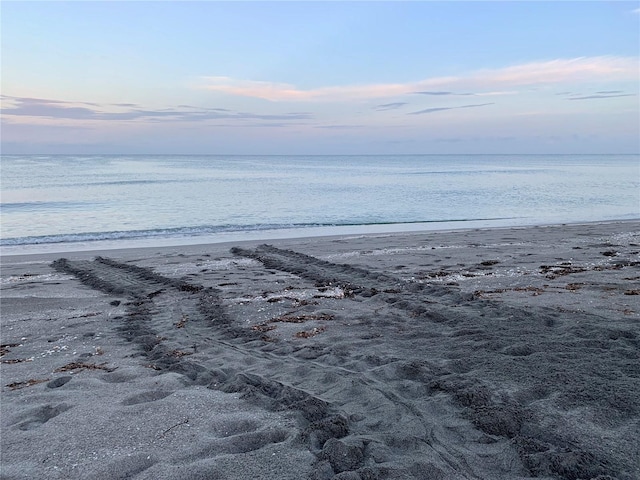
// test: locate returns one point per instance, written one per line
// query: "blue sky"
(320, 77)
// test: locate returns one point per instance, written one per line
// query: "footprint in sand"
(39, 416)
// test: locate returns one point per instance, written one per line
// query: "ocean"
(78, 202)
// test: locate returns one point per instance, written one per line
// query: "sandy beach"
(474, 354)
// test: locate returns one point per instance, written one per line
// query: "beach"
(506, 353)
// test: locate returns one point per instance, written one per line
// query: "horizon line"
(310, 154)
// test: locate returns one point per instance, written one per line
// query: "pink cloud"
(484, 82)
(287, 92)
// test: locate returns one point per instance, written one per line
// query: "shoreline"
(496, 353)
(301, 234)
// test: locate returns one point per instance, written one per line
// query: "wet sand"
(471, 354)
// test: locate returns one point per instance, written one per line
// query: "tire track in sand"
(155, 302)
(388, 419)
(495, 377)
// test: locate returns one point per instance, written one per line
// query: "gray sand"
(491, 354)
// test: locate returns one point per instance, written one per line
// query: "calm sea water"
(57, 201)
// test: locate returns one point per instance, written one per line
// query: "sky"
(330, 77)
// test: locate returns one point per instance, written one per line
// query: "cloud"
(30, 100)
(590, 97)
(440, 109)
(199, 108)
(466, 94)
(60, 109)
(339, 127)
(474, 139)
(431, 110)
(269, 124)
(286, 116)
(485, 82)
(389, 106)
(443, 93)
(286, 92)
